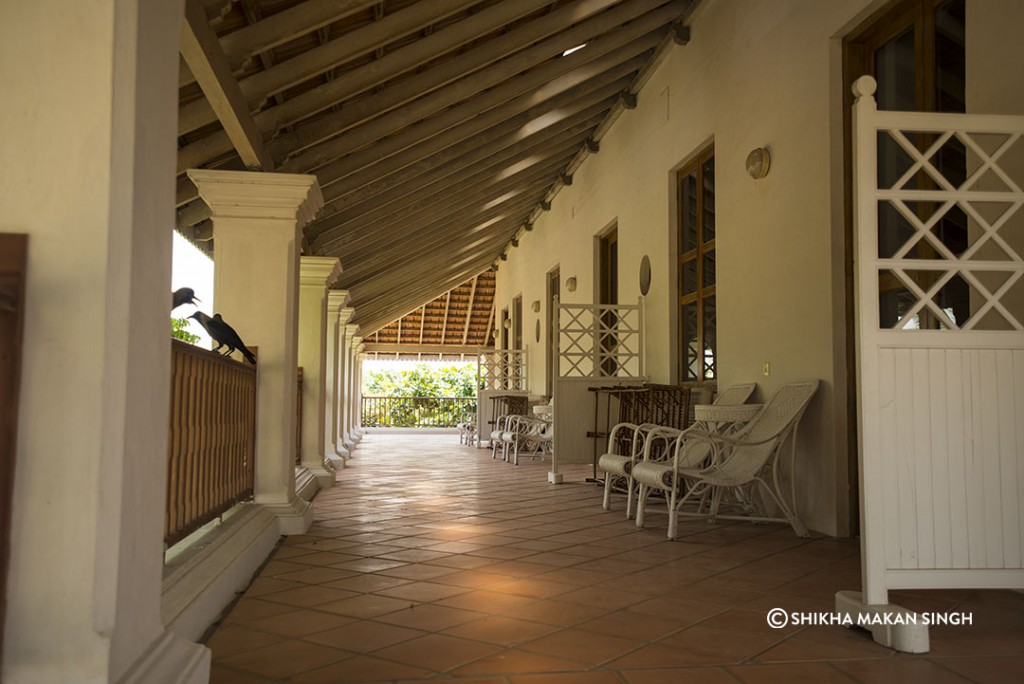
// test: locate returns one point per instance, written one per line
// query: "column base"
(554, 478)
(336, 460)
(341, 450)
(294, 517)
(903, 636)
(323, 472)
(306, 484)
(170, 659)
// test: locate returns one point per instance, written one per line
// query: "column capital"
(316, 271)
(357, 340)
(257, 195)
(345, 315)
(352, 329)
(336, 299)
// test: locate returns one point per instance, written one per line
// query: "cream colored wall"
(756, 73)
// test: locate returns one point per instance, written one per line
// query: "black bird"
(184, 295)
(223, 334)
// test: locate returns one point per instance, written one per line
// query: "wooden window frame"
(697, 253)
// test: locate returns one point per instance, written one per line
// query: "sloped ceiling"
(438, 129)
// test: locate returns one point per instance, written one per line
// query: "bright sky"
(192, 268)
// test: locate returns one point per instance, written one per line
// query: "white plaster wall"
(756, 73)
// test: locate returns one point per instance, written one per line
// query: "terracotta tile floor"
(432, 562)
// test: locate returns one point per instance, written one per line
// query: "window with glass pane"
(916, 52)
(697, 312)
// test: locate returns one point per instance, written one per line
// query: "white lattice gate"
(596, 345)
(940, 305)
(498, 372)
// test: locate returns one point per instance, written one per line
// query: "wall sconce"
(535, 306)
(507, 323)
(570, 283)
(758, 162)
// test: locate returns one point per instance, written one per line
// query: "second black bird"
(223, 334)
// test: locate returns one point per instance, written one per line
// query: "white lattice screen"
(940, 305)
(600, 340)
(502, 370)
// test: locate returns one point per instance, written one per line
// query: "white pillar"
(337, 410)
(356, 428)
(88, 166)
(348, 411)
(256, 222)
(336, 300)
(315, 275)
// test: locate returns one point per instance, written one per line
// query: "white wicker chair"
(529, 435)
(649, 442)
(741, 465)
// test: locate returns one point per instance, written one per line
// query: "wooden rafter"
(205, 58)
(437, 130)
(469, 311)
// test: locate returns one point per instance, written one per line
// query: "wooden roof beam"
(440, 185)
(425, 261)
(324, 96)
(512, 119)
(447, 306)
(469, 311)
(446, 209)
(374, 310)
(203, 54)
(458, 89)
(261, 85)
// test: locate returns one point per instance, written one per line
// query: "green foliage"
(179, 331)
(422, 380)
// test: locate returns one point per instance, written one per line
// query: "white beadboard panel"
(887, 454)
(922, 461)
(952, 457)
(957, 399)
(906, 482)
(1018, 394)
(941, 467)
(1009, 448)
(974, 474)
(989, 441)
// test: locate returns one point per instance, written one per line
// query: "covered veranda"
(433, 562)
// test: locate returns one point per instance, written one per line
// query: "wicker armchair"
(631, 443)
(741, 465)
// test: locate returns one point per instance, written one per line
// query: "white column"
(348, 411)
(356, 428)
(336, 300)
(256, 222)
(315, 275)
(88, 166)
(341, 407)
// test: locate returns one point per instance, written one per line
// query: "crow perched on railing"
(223, 334)
(184, 295)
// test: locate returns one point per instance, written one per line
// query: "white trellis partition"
(940, 306)
(502, 370)
(597, 345)
(498, 372)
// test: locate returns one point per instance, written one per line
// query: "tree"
(179, 331)
(429, 383)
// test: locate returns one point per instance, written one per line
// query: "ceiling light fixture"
(573, 49)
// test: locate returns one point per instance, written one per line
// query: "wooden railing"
(417, 411)
(212, 439)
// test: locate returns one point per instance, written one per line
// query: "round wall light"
(758, 162)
